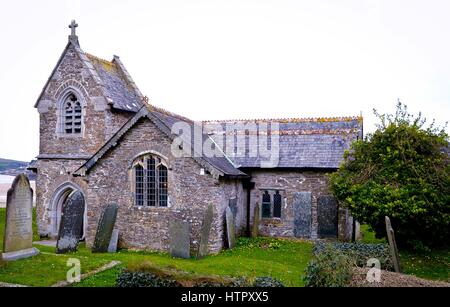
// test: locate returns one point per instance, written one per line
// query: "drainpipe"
(248, 185)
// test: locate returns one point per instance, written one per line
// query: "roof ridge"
(292, 119)
(170, 113)
(94, 57)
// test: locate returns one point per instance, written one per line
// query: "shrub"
(127, 279)
(402, 170)
(329, 268)
(361, 252)
(146, 274)
(267, 281)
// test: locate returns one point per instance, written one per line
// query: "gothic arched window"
(271, 205)
(266, 204)
(150, 177)
(139, 173)
(71, 122)
(277, 204)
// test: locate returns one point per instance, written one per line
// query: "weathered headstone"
(18, 236)
(232, 203)
(345, 225)
(71, 226)
(256, 220)
(231, 235)
(112, 247)
(327, 216)
(105, 229)
(180, 239)
(392, 244)
(205, 231)
(302, 214)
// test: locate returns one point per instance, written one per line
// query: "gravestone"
(112, 247)
(105, 229)
(231, 235)
(302, 214)
(71, 226)
(180, 239)
(256, 220)
(392, 244)
(205, 231)
(232, 203)
(18, 236)
(327, 216)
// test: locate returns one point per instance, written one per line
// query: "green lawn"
(433, 265)
(286, 261)
(279, 258)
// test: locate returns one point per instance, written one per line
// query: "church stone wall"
(73, 74)
(60, 155)
(190, 193)
(288, 183)
(51, 175)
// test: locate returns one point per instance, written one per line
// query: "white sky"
(224, 59)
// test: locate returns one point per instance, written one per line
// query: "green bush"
(329, 268)
(146, 274)
(402, 170)
(267, 282)
(361, 252)
(127, 279)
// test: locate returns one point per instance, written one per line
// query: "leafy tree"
(402, 170)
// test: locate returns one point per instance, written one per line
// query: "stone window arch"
(272, 203)
(70, 114)
(150, 177)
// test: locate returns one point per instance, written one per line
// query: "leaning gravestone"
(204, 232)
(71, 226)
(302, 214)
(18, 237)
(392, 244)
(179, 239)
(255, 226)
(105, 229)
(232, 203)
(231, 235)
(112, 247)
(327, 216)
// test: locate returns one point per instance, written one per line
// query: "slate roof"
(164, 120)
(303, 143)
(119, 87)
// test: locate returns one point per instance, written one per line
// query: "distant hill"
(13, 168)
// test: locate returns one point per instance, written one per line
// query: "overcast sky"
(226, 59)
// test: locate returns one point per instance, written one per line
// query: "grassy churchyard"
(283, 259)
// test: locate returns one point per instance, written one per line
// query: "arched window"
(139, 173)
(277, 204)
(162, 189)
(266, 204)
(71, 117)
(151, 182)
(271, 205)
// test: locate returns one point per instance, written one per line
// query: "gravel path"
(392, 279)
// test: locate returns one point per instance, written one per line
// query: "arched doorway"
(59, 199)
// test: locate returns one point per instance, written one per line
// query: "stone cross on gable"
(73, 26)
(73, 38)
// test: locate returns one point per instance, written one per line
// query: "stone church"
(100, 135)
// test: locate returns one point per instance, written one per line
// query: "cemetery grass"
(433, 265)
(284, 259)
